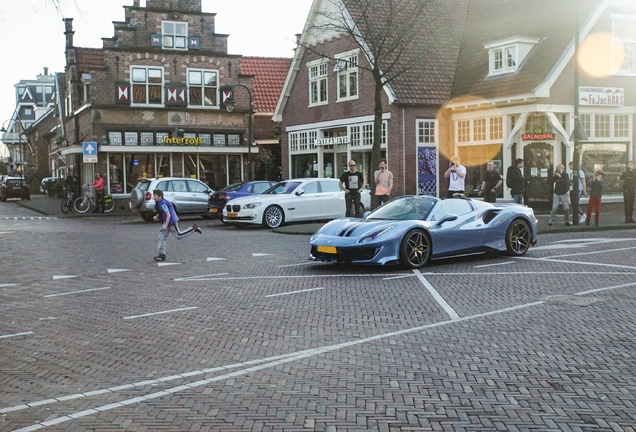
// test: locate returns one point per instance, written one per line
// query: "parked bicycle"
(86, 202)
(68, 201)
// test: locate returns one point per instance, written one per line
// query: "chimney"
(68, 23)
(46, 71)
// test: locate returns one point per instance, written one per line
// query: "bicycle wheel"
(82, 204)
(108, 205)
(67, 205)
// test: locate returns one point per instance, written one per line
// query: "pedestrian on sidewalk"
(99, 193)
(516, 181)
(456, 172)
(561, 183)
(383, 183)
(71, 184)
(492, 184)
(596, 191)
(582, 190)
(352, 183)
(629, 189)
(169, 223)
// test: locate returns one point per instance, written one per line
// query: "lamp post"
(230, 103)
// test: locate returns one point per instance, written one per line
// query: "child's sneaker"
(582, 218)
(160, 257)
(197, 229)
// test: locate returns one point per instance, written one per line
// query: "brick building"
(152, 99)
(497, 84)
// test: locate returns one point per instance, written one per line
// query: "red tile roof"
(89, 58)
(269, 77)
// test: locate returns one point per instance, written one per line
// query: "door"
(199, 196)
(178, 194)
(306, 206)
(538, 165)
(333, 201)
(466, 230)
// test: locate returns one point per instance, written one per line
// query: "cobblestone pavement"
(238, 331)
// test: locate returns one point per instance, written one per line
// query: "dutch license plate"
(327, 249)
(214, 210)
(231, 215)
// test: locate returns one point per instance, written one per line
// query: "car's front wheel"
(518, 238)
(273, 216)
(415, 249)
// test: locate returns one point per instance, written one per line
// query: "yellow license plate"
(231, 215)
(214, 210)
(327, 249)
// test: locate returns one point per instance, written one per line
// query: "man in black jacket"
(561, 191)
(515, 181)
(629, 189)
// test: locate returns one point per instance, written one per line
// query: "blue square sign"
(89, 149)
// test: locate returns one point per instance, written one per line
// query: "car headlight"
(375, 235)
(251, 205)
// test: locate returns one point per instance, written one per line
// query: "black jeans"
(99, 200)
(628, 199)
(355, 200)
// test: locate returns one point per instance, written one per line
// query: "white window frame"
(318, 81)
(135, 82)
(505, 56)
(619, 124)
(347, 69)
(426, 132)
(623, 45)
(479, 130)
(203, 86)
(173, 38)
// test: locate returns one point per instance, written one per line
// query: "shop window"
(312, 135)
(602, 126)
(233, 140)
(302, 141)
(174, 35)
(586, 123)
(115, 139)
(538, 123)
(147, 85)
(163, 165)
(317, 82)
(496, 128)
(147, 138)
(354, 134)
(463, 131)
(206, 139)
(116, 173)
(293, 142)
(624, 44)
(479, 129)
(203, 87)
(161, 136)
(621, 126)
(219, 140)
(367, 134)
(132, 138)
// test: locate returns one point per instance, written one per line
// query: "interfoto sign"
(601, 96)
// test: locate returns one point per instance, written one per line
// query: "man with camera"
(457, 174)
(561, 183)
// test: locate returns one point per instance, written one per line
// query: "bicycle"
(85, 202)
(67, 203)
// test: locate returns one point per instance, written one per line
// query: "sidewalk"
(612, 217)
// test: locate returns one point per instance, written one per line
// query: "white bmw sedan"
(296, 200)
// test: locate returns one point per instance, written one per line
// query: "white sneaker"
(582, 218)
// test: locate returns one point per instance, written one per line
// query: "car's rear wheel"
(273, 216)
(148, 217)
(518, 238)
(415, 249)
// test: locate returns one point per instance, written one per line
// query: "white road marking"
(7, 232)
(16, 334)
(594, 252)
(216, 259)
(58, 277)
(117, 270)
(260, 254)
(296, 265)
(194, 278)
(548, 259)
(495, 264)
(449, 310)
(399, 277)
(76, 292)
(160, 313)
(294, 292)
(286, 277)
(163, 264)
(8, 285)
(605, 288)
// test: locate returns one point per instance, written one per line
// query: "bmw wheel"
(415, 250)
(518, 238)
(273, 216)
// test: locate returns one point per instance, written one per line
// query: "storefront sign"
(333, 140)
(538, 136)
(601, 96)
(182, 141)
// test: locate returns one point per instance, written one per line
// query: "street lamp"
(230, 103)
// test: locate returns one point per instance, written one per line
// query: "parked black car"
(14, 187)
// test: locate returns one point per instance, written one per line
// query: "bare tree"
(388, 32)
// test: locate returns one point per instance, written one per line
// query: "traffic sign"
(89, 149)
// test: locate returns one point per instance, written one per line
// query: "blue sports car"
(411, 230)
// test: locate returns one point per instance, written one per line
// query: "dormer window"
(624, 44)
(506, 56)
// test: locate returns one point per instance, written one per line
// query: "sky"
(32, 32)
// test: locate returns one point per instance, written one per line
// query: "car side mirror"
(446, 218)
(300, 192)
(366, 213)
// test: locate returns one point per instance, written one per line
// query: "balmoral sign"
(601, 96)
(332, 140)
